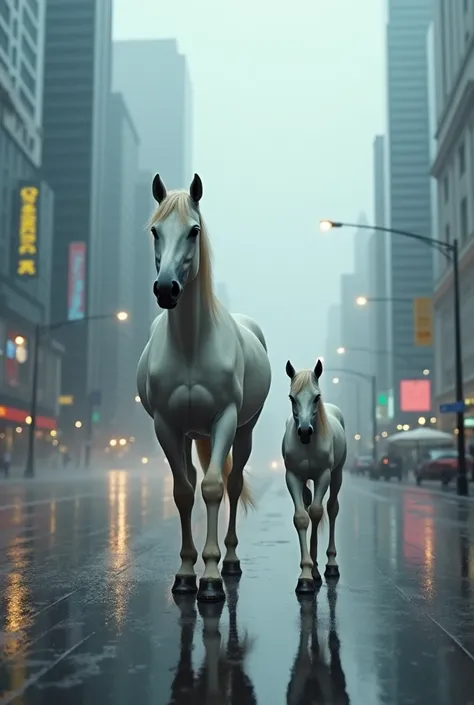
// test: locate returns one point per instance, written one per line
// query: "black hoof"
(305, 586)
(318, 581)
(331, 572)
(210, 590)
(231, 568)
(184, 585)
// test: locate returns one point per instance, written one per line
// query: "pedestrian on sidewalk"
(6, 462)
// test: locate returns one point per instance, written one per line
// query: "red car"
(442, 464)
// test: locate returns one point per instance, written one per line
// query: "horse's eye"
(316, 399)
(195, 230)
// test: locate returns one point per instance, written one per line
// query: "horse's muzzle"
(305, 433)
(167, 293)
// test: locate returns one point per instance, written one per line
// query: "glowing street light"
(384, 434)
(113, 442)
(335, 380)
(406, 427)
(426, 372)
(28, 420)
(137, 399)
(144, 461)
(362, 301)
(123, 442)
(20, 340)
(122, 315)
(78, 424)
(422, 420)
(433, 419)
(357, 437)
(341, 350)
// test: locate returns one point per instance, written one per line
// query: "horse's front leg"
(316, 513)
(173, 444)
(332, 568)
(212, 487)
(305, 583)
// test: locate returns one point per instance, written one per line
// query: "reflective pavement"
(87, 617)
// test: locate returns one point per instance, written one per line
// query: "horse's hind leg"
(175, 449)
(332, 569)
(241, 451)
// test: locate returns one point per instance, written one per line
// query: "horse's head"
(176, 229)
(305, 397)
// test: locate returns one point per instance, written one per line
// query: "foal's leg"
(332, 569)
(305, 583)
(316, 514)
(240, 454)
(212, 487)
(173, 445)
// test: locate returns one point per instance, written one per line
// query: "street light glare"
(78, 424)
(20, 340)
(362, 301)
(426, 372)
(357, 437)
(137, 399)
(122, 315)
(341, 350)
(326, 225)
(335, 380)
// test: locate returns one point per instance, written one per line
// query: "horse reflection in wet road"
(314, 678)
(222, 677)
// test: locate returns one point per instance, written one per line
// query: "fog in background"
(286, 106)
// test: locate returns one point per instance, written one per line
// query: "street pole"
(374, 418)
(462, 479)
(30, 459)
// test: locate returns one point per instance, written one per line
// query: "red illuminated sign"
(415, 395)
(9, 413)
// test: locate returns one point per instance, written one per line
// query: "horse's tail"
(203, 448)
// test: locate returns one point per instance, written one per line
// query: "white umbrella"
(421, 435)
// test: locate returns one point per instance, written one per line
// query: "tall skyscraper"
(119, 239)
(160, 101)
(77, 86)
(453, 169)
(26, 221)
(409, 208)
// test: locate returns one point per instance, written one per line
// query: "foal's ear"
(290, 370)
(195, 190)
(318, 370)
(158, 189)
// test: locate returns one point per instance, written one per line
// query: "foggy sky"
(286, 107)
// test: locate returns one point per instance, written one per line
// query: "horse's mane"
(302, 380)
(180, 202)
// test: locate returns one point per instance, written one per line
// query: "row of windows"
(5, 11)
(463, 223)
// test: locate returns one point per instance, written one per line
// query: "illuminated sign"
(9, 413)
(76, 304)
(27, 250)
(415, 395)
(423, 322)
(66, 400)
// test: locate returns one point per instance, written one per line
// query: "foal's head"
(180, 241)
(305, 397)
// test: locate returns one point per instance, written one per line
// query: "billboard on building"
(26, 229)
(415, 395)
(423, 321)
(76, 304)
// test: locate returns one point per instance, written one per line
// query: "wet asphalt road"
(87, 617)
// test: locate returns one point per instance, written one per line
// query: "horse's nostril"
(299, 431)
(175, 289)
(310, 430)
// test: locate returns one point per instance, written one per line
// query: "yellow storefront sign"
(66, 400)
(423, 321)
(28, 232)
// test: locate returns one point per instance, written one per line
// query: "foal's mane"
(305, 379)
(180, 202)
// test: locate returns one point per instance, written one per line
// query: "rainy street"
(87, 564)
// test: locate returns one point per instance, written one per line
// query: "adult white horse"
(314, 448)
(204, 376)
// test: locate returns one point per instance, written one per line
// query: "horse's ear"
(318, 369)
(195, 190)
(158, 189)
(290, 370)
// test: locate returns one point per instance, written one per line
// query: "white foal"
(204, 376)
(314, 448)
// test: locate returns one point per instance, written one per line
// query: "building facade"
(77, 85)
(453, 169)
(410, 262)
(161, 107)
(26, 223)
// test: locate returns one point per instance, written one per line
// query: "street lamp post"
(39, 330)
(450, 250)
(373, 395)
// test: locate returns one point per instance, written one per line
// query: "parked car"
(362, 465)
(388, 467)
(442, 464)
